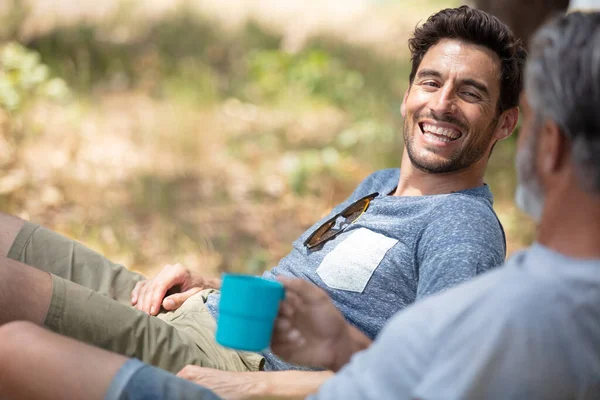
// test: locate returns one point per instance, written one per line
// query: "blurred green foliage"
(311, 73)
(319, 118)
(23, 77)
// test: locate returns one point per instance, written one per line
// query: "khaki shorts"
(91, 303)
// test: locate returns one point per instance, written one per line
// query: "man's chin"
(437, 166)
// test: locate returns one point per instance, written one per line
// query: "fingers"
(135, 292)
(295, 338)
(286, 309)
(282, 324)
(287, 349)
(148, 295)
(285, 333)
(142, 302)
(157, 294)
(291, 303)
(139, 295)
(280, 330)
(174, 301)
(285, 319)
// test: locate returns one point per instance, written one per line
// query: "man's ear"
(553, 148)
(507, 124)
(403, 106)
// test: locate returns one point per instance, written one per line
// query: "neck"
(570, 224)
(415, 182)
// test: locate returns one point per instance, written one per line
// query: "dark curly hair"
(478, 27)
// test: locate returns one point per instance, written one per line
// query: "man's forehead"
(468, 60)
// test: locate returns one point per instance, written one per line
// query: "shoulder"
(470, 215)
(506, 297)
(480, 331)
(462, 230)
(465, 216)
(379, 181)
(462, 205)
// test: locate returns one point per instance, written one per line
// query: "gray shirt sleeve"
(463, 239)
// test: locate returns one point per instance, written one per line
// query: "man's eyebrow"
(477, 85)
(432, 73)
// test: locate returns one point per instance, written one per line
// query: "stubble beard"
(460, 159)
(529, 195)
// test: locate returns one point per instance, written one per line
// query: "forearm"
(289, 384)
(353, 342)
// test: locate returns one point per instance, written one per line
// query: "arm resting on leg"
(259, 385)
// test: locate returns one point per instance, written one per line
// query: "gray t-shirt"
(400, 250)
(529, 330)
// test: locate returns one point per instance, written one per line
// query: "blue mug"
(247, 311)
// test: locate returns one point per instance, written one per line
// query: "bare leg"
(25, 292)
(44, 365)
(9, 228)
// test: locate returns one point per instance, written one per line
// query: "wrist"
(205, 282)
(288, 384)
(260, 385)
(214, 283)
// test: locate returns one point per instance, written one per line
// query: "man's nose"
(443, 102)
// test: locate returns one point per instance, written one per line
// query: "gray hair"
(563, 84)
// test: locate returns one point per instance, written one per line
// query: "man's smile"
(439, 132)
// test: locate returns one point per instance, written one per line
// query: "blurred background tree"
(523, 17)
(210, 133)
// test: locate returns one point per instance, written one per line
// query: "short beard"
(529, 196)
(457, 161)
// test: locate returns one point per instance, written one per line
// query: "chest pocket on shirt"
(351, 264)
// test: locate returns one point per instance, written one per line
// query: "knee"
(15, 336)
(9, 228)
(15, 339)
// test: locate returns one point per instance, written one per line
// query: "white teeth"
(452, 134)
(437, 137)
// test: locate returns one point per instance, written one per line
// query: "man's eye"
(471, 96)
(430, 84)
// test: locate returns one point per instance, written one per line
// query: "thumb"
(174, 301)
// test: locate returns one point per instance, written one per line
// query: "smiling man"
(454, 111)
(402, 235)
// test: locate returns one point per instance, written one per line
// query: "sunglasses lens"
(317, 236)
(355, 211)
(329, 234)
(350, 215)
